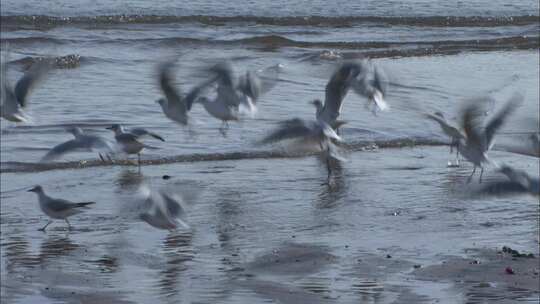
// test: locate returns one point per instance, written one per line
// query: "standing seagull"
(309, 132)
(235, 96)
(365, 78)
(57, 208)
(479, 135)
(14, 100)
(128, 142)
(450, 130)
(81, 142)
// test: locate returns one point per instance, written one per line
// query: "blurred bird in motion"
(364, 77)
(15, 100)
(516, 182)
(450, 130)
(162, 209)
(234, 96)
(57, 208)
(480, 133)
(81, 143)
(310, 133)
(175, 106)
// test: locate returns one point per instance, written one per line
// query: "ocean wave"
(371, 49)
(45, 21)
(70, 61)
(354, 146)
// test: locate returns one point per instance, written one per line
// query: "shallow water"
(253, 204)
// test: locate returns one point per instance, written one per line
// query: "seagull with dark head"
(57, 208)
(129, 143)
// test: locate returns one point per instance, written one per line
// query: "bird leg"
(224, 127)
(139, 161)
(43, 229)
(69, 225)
(327, 156)
(481, 173)
(470, 177)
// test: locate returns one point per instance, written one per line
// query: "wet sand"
(361, 238)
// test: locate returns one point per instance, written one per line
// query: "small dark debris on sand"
(500, 275)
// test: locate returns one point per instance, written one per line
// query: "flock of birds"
(235, 97)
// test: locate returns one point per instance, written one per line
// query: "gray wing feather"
(143, 132)
(498, 120)
(293, 128)
(29, 80)
(61, 149)
(172, 95)
(59, 205)
(172, 206)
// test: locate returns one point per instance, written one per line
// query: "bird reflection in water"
(129, 180)
(178, 250)
(335, 189)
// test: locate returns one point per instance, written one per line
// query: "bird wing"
(502, 188)
(293, 128)
(61, 149)
(254, 84)
(173, 207)
(337, 88)
(29, 80)
(139, 132)
(8, 98)
(472, 118)
(500, 117)
(59, 205)
(226, 90)
(449, 129)
(173, 96)
(197, 91)
(126, 137)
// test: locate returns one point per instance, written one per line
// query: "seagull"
(309, 132)
(518, 182)
(450, 130)
(81, 142)
(128, 142)
(57, 208)
(479, 135)
(14, 100)
(139, 132)
(365, 78)
(235, 96)
(162, 210)
(174, 105)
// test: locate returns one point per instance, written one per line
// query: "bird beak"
(32, 190)
(109, 128)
